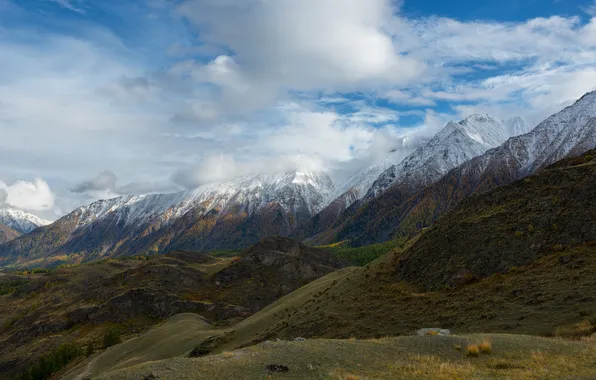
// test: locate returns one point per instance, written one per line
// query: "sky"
(115, 97)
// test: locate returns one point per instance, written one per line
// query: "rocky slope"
(271, 269)
(230, 215)
(7, 234)
(20, 221)
(455, 144)
(400, 211)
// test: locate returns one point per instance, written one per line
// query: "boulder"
(433, 332)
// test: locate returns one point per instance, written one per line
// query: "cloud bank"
(185, 93)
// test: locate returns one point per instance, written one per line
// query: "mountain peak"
(19, 220)
(478, 117)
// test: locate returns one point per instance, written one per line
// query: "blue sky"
(104, 98)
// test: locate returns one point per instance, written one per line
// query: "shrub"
(112, 337)
(48, 365)
(473, 350)
(578, 330)
(485, 347)
(458, 347)
(90, 349)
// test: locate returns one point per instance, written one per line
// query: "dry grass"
(408, 358)
(227, 355)
(473, 350)
(430, 366)
(344, 375)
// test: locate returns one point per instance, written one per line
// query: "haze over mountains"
(374, 205)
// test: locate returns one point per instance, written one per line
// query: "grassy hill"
(406, 357)
(80, 304)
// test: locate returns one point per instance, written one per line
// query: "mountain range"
(399, 212)
(380, 202)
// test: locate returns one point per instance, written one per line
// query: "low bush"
(473, 350)
(48, 365)
(112, 337)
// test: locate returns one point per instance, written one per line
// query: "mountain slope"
(507, 227)
(487, 271)
(230, 215)
(20, 221)
(399, 211)
(452, 146)
(7, 234)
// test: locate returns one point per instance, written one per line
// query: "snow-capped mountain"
(356, 185)
(429, 161)
(228, 215)
(20, 221)
(294, 192)
(452, 146)
(570, 132)
(517, 126)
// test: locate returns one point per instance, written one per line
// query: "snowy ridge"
(356, 186)
(453, 145)
(302, 192)
(571, 131)
(20, 221)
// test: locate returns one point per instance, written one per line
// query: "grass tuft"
(228, 355)
(473, 350)
(485, 347)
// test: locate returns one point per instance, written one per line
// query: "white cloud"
(30, 196)
(299, 45)
(402, 97)
(266, 86)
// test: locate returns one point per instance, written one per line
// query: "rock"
(277, 368)
(299, 339)
(433, 332)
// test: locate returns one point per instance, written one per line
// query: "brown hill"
(46, 308)
(271, 269)
(7, 234)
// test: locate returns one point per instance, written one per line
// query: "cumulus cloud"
(297, 45)
(30, 196)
